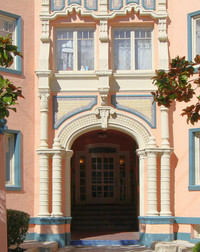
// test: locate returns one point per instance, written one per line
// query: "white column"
(142, 156)
(165, 164)
(44, 184)
(152, 151)
(165, 183)
(69, 154)
(44, 104)
(164, 127)
(57, 179)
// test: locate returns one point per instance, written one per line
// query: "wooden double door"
(102, 176)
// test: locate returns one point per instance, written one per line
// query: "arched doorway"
(105, 182)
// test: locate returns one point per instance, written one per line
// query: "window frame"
(193, 186)
(192, 17)
(18, 67)
(75, 44)
(132, 30)
(17, 161)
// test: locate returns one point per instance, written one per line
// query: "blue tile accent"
(18, 70)
(152, 6)
(187, 220)
(147, 239)
(190, 16)
(115, 100)
(112, 7)
(132, 1)
(156, 220)
(61, 5)
(104, 242)
(3, 126)
(50, 220)
(17, 154)
(192, 186)
(92, 102)
(91, 4)
(74, 1)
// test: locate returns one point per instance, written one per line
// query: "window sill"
(12, 71)
(13, 188)
(140, 74)
(80, 74)
(194, 187)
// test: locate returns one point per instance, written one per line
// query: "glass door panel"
(103, 179)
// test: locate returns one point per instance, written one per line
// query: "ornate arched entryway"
(105, 182)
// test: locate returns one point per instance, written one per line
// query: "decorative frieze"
(91, 4)
(148, 4)
(45, 31)
(140, 105)
(115, 4)
(57, 5)
(104, 114)
(66, 106)
(103, 30)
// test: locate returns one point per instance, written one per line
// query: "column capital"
(69, 154)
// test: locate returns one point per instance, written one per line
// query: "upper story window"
(133, 49)
(75, 49)
(193, 34)
(11, 24)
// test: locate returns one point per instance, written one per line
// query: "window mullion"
(132, 50)
(75, 50)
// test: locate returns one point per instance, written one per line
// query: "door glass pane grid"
(96, 177)
(82, 175)
(122, 178)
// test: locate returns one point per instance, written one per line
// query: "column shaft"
(152, 183)
(165, 184)
(57, 185)
(44, 185)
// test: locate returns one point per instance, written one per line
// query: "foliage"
(17, 226)
(9, 93)
(196, 248)
(176, 85)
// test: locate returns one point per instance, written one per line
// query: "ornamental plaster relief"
(89, 122)
(66, 106)
(139, 105)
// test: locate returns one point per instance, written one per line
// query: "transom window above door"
(133, 49)
(75, 49)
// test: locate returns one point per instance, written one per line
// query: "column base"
(58, 214)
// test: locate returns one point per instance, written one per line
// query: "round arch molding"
(89, 122)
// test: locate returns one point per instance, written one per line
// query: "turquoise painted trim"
(186, 237)
(50, 220)
(190, 16)
(147, 239)
(192, 186)
(147, 8)
(56, 125)
(87, 8)
(18, 70)
(156, 220)
(57, 9)
(17, 154)
(104, 242)
(132, 1)
(187, 220)
(75, 1)
(132, 111)
(111, 8)
(62, 239)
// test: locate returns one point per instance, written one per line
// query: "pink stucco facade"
(78, 112)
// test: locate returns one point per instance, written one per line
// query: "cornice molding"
(106, 16)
